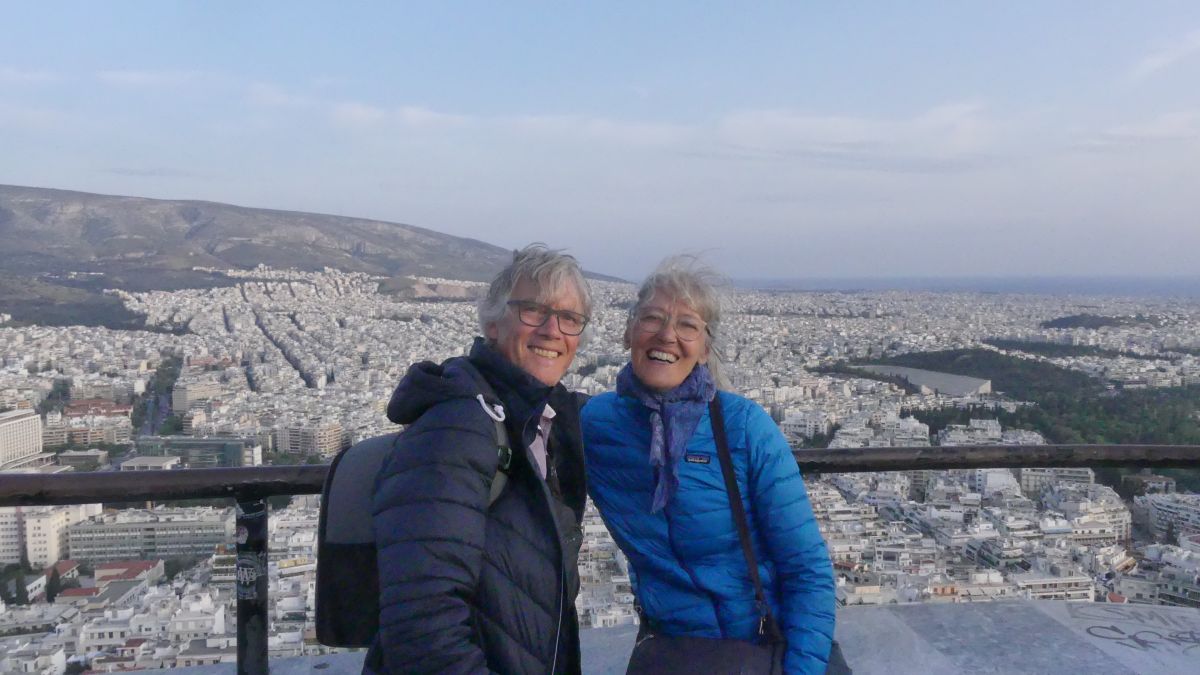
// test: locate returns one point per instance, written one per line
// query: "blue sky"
(781, 139)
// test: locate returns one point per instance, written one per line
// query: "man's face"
(543, 352)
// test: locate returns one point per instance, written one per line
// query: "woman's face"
(660, 358)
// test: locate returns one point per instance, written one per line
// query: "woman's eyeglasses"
(687, 328)
(535, 314)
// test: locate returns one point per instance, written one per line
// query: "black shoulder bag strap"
(491, 405)
(767, 626)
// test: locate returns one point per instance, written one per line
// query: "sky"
(781, 140)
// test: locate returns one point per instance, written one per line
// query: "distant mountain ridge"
(49, 230)
(59, 248)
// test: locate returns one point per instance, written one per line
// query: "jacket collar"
(522, 395)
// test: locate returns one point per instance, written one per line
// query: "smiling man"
(469, 583)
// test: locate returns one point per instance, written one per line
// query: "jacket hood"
(427, 384)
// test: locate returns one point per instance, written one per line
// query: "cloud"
(1167, 128)
(353, 114)
(10, 75)
(950, 137)
(953, 136)
(31, 117)
(599, 128)
(274, 96)
(149, 78)
(958, 128)
(1166, 56)
(418, 116)
(356, 114)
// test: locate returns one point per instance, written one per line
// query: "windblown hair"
(688, 279)
(547, 269)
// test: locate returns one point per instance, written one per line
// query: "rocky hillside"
(55, 231)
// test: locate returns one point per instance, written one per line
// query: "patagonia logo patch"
(697, 459)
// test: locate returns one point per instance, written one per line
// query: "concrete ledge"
(1065, 638)
(1000, 637)
(1020, 637)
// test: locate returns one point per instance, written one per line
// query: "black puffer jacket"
(465, 588)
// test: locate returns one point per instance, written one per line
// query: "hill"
(43, 230)
(62, 247)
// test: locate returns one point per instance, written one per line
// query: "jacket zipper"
(562, 573)
(562, 600)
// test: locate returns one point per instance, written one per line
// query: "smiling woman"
(664, 350)
(751, 591)
(674, 323)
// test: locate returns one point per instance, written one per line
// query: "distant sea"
(1112, 286)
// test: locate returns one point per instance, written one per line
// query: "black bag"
(347, 598)
(655, 653)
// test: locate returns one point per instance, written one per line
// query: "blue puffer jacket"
(691, 576)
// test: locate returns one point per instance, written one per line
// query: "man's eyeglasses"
(687, 328)
(536, 314)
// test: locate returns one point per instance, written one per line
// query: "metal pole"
(252, 587)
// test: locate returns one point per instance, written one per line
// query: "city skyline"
(782, 142)
(287, 367)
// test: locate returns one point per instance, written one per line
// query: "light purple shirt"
(538, 446)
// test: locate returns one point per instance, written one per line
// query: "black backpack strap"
(492, 406)
(767, 626)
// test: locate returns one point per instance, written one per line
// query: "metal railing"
(249, 487)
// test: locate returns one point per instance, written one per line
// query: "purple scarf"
(674, 416)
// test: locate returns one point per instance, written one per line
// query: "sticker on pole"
(249, 568)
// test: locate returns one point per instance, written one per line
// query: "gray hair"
(690, 280)
(546, 268)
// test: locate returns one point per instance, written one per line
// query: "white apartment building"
(106, 632)
(20, 438)
(186, 394)
(976, 432)
(1181, 510)
(150, 534)
(991, 481)
(807, 424)
(46, 530)
(1035, 480)
(902, 431)
(1170, 577)
(55, 431)
(164, 463)
(48, 659)
(1038, 586)
(310, 437)
(12, 534)
(1090, 503)
(197, 620)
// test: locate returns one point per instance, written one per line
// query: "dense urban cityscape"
(281, 366)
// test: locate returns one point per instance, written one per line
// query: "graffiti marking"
(1148, 640)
